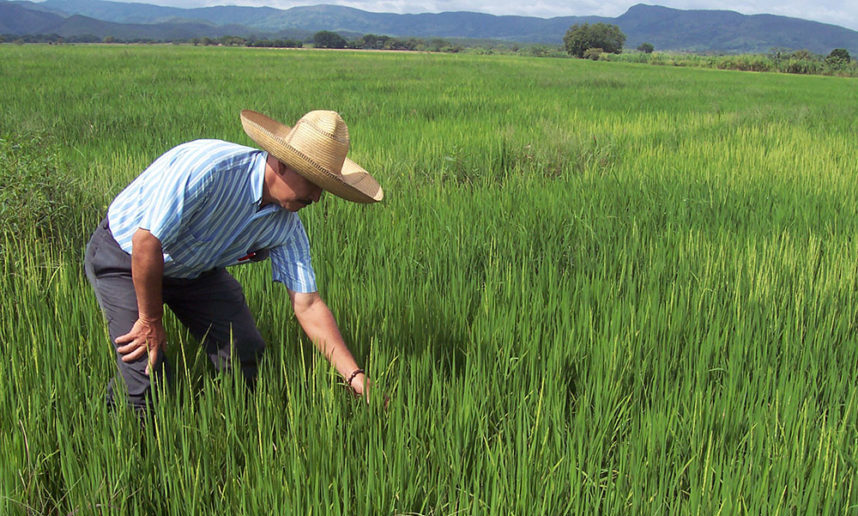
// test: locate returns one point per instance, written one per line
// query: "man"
(206, 205)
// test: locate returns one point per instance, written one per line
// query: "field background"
(591, 287)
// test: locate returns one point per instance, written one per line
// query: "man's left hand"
(146, 336)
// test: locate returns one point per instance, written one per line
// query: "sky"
(837, 12)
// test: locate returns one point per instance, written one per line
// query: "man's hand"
(147, 272)
(318, 323)
(361, 387)
(146, 336)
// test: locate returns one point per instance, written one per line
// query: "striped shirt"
(202, 200)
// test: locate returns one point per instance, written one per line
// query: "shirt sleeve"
(290, 262)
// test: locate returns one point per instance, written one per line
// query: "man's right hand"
(146, 336)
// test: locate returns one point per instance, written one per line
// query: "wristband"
(352, 377)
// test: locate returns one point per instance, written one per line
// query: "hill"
(666, 28)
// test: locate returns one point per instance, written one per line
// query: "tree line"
(321, 39)
(599, 41)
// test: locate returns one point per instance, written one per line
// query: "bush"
(593, 53)
(803, 66)
(539, 51)
(745, 63)
(804, 54)
(40, 196)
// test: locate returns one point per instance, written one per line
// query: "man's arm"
(147, 273)
(319, 324)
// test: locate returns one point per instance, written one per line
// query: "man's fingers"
(133, 344)
(153, 358)
(122, 339)
(124, 350)
(143, 338)
(132, 355)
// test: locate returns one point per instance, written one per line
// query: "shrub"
(593, 53)
(40, 196)
(538, 51)
(803, 66)
(745, 63)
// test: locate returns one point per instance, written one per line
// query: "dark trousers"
(212, 307)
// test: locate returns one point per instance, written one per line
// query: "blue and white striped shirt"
(202, 200)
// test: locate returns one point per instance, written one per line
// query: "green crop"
(591, 288)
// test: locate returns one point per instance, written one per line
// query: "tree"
(437, 44)
(599, 35)
(646, 48)
(328, 39)
(838, 57)
(232, 41)
(372, 41)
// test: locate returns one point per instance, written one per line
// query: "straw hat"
(315, 148)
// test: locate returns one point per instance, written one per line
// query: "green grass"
(592, 287)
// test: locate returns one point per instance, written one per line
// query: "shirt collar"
(257, 182)
(257, 178)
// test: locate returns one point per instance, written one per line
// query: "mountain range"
(665, 28)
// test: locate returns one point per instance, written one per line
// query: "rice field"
(591, 288)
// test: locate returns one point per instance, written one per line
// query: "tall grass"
(591, 287)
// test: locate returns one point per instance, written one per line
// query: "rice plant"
(592, 288)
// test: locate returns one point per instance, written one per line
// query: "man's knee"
(245, 347)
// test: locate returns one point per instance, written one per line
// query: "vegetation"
(796, 62)
(328, 39)
(593, 53)
(646, 48)
(596, 288)
(40, 197)
(582, 37)
(838, 62)
(839, 58)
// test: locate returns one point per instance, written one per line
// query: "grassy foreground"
(592, 287)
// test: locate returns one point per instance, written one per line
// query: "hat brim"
(353, 183)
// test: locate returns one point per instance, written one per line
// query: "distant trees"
(646, 48)
(238, 41)
(275, 43)
(232, 41)
(376, 42)
(328, 39)
(372, 41)
(580, 38)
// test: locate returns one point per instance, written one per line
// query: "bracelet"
(352, 377)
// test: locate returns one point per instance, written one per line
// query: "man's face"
(289, 189)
